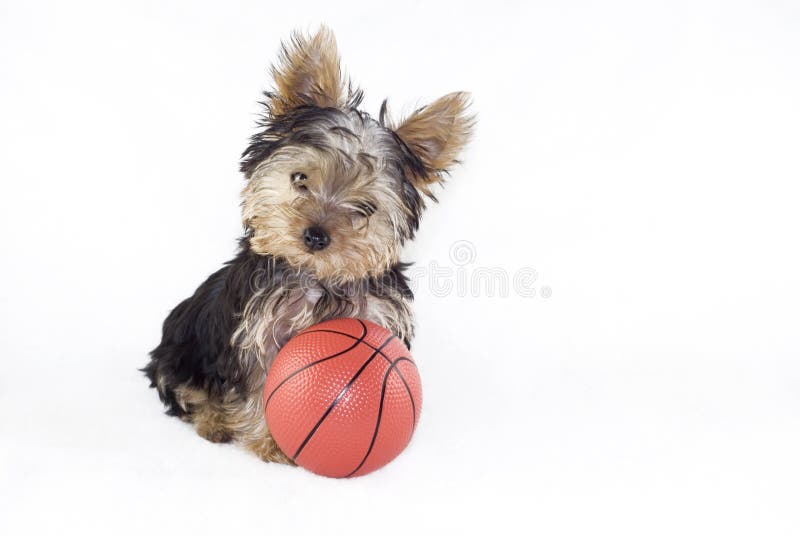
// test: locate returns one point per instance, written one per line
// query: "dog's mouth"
(324, 252)
(323, 268)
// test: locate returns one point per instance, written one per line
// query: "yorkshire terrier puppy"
(331, 195)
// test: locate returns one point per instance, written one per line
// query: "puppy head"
(330, 189)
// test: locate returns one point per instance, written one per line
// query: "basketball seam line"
(408, 390)
(337, 354)
(339, 397)
(380, 413)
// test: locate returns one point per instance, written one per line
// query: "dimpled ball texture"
(343, 397)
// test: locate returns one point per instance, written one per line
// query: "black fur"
(195, 344)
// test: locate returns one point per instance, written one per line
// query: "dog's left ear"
(436, 134)
(309, 74)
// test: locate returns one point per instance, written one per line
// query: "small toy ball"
(343, 397)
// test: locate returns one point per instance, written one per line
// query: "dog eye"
(299, 181)
(366, 209)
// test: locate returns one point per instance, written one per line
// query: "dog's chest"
(271, 320)
(295, 312)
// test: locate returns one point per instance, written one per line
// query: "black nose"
(316, 238)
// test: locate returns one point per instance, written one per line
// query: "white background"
(642, 157)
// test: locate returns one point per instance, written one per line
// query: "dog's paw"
(214, 434)
(268, 450)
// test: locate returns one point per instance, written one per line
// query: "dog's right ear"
(436, 134)
(308, 74)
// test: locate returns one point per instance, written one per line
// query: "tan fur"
(278, 214)
(437, 133)
(232, 418)
(309, 74)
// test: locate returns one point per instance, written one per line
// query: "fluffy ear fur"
(308, 74)
(436, 134)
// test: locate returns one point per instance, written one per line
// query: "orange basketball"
(343, 397)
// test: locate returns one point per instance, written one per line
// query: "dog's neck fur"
(282, 301)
